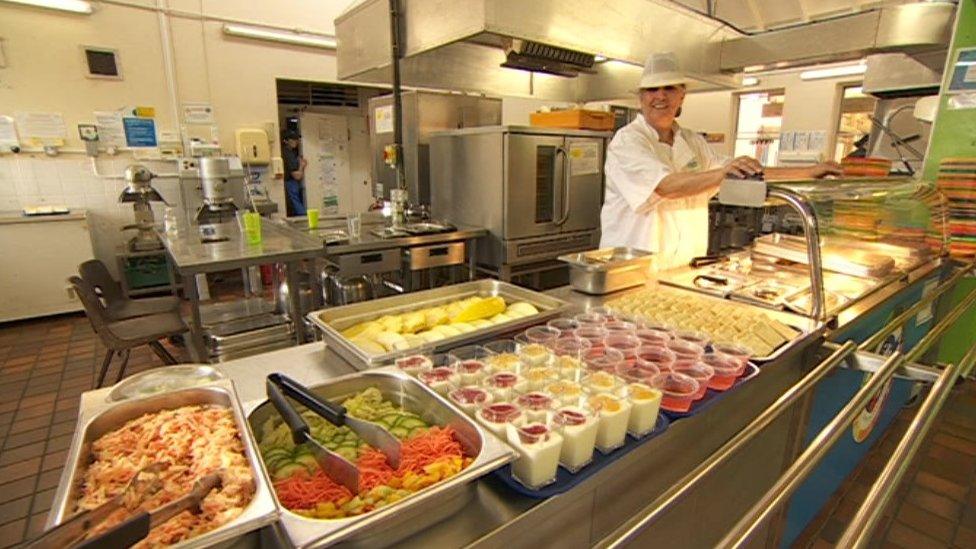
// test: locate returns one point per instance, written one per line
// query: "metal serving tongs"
(334, 465)
(75, 528)
(135, 528)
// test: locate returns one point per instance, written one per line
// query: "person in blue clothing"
(295, 163)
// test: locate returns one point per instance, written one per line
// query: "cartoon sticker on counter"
(865, 421)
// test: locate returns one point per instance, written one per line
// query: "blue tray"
(712, 396)
(566, 480)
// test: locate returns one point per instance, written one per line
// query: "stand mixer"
(216, 215)
(141, 194)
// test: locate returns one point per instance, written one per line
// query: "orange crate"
(576, 118)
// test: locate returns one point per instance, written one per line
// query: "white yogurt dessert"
(470, 399)
(534, 354)
(614, 416)
(539, 449)
(578, 428)
(415, 364)
(505, 385)
(441, 379)
(498, 415)
(601, 382)
(504, 362)
(535, 406)
(646, 403)
(540, 376)
(472, 371)
(565, 392)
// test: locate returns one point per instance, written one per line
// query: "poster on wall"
(111, 133)
(41, 127)
(139, 132)
(8, 134)
(384, 119)
(198, 113)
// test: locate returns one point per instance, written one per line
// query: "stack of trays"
(957, 180)
(866, 167)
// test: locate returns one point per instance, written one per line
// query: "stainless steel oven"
(537, 190)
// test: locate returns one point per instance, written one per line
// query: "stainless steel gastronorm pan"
(333, 320)
(607, 270)
(99, 420)
(386, 525)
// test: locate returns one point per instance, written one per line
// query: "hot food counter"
(719, 471)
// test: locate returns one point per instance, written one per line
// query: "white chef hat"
(662, 69)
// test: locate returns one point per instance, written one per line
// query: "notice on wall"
(584, 157)
(46, 127)
(198, 113)
(8, 133)
(139, 132)
(384, 119)
(111, 133)
(786, 140)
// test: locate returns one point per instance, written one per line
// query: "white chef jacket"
(675, 229)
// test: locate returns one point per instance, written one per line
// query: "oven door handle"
(564, 214)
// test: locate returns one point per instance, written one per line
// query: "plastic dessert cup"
(564, 325)
(700, 372)
(738, 352)
(677, 390)
(658, 327)
(621, 326)
(414, 364)
(697, 338)
(601, 382)
(569, 368)
(502, 346)
(726, 370)
(625, 343)
(534, 354)
(685, 351)
(605, 312)
(646, 402)
(659, 357)
(497, 415)
(536, 405)
(505, 386)
(596, 335)
(602, 359)
(540, 376)
(590, 319)
(614, 417)
(650, 336)
(637, 373)
(542, 334)
(539, 448)
(470, 398)
(578, 426)
(570, 346)
(565, 392)
(440, 378)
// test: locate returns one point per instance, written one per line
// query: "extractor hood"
(890, 75)
(546, 48)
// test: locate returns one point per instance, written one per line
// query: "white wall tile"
(50, 188)
(46, 170)
(26, 187)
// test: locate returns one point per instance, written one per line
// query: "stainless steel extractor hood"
(901, 75)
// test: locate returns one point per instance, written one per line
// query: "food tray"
(419, 510)
(712, 396)
(565, 480)
(99, 417)
(607, 270)
(840, 258)
(160, 380)
(331, 321)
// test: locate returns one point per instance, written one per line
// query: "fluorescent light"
(258, 33)
(750, 81)
(833, 72)
(74, 6)
(599, 58)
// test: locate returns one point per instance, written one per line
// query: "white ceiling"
(762, 15)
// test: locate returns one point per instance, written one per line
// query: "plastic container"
(646, 403)
(625, 343)
(596, 335)
(602, 359)
(677, 390)
(504, 356)
(601, 382)
(697, 338)
(564, 325)
(542, 334)
(536, 405)
(539, 448)
(726, 368)
(578, 426)
(534, 354)
(660, 358)
(571, 346)
(738, 352)
(540, 376)
(658, 327)
(505, 386)
(414, 364)
(685, 352)
(497, 415)
(470, 398)
(440, 378)
(614, 417)
(631, 372)
(700, 372)
(620, 326)
(650, 336)
(471, 363)
(565, 392)
(590, 318)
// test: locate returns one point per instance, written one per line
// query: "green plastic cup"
(313, 218)
(252, 227)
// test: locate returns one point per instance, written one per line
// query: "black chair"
(119, 307)
(121, 336)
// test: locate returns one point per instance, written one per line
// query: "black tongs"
(334, 465)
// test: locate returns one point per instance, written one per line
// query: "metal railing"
(858, 532)
(811, 231)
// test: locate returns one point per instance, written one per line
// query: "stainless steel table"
(191, 256)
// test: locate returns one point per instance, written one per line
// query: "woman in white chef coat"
(661, 176)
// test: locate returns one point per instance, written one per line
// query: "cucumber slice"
(288, 470)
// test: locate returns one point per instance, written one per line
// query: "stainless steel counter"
(12, 217)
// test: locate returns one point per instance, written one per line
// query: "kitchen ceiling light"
(750, 81)
(833, 72)
(74, 6)
(258, 33)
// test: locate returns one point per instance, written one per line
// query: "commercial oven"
(538, 191)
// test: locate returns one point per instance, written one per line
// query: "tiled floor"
(935, 506)
(44, 366)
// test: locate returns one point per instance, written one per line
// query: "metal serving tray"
(386, 525)
(607, 270)
(333, 320)
(99, 416)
